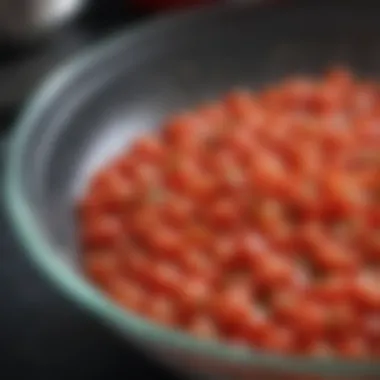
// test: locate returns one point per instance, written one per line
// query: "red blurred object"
(155, 5)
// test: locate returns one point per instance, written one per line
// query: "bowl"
(87, 110)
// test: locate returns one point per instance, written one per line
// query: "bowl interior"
(131, 87)
(130, 84)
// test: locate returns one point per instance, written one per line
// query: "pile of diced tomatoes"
(253, 220)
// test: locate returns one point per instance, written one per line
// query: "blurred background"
(41, 335)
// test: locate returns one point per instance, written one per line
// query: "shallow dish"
(91, 107)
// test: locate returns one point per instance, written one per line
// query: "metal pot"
(26, 19)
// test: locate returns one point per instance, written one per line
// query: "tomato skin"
(367, 292)
(165, 278)
(353, 347)
(127, 294)
(252, 220)
(100, 267)
(332, 289)
(101, 232)
(279, 340)
(193, 297)
(203, 327)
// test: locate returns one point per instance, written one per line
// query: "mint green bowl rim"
(77, 289)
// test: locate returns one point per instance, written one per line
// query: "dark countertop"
(45, 336)
(42, 335)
